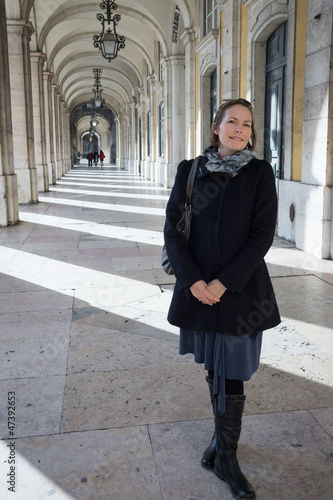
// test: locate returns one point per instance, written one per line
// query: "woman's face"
(235, 130)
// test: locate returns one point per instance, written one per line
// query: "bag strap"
(190, 180)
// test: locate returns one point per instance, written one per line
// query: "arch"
(186, 12)
(64, 42)
(66, 13)
(263, 28)
(76, 57)
(104, 78)
(261, 33)
(26, 7)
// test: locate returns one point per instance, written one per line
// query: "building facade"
(181, 59)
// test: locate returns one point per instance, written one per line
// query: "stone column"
(37, 63)
(313, 209)
(9, 209)
(152, 161)
(55, 99)
(231, 54)
(123, 139)
(68, 148)
(132, 137)
(49, 136)
(61, 133)
(175, 126)
(188, 38)
(118, 158)
(19, 34)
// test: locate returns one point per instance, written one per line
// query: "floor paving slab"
(38, 407)
(116, 464)
(103, 350)
(106, 409)
(103, 400)
(282, 454)
(47, 356)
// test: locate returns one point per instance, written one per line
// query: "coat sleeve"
(239, 270)
(186, 272)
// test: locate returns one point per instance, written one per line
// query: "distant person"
(101, 157)
(78, 157)
(96, 157)
(90, 158)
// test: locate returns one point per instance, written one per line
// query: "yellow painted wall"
(243, 52)
(221, 55)
(298, 90)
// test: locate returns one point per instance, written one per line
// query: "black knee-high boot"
(208, 457)
(228, 429)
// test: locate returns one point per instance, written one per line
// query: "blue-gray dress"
(235, 357)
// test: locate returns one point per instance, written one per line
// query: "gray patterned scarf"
(229, 164)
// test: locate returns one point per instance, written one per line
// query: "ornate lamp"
(97, 100)
(109, 42)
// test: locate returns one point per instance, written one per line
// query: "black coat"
(232, 228)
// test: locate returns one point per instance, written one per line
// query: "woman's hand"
(216, 288)
(201, 292)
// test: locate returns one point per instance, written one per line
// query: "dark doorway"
(276, 63)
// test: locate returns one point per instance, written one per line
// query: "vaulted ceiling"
(64, 31)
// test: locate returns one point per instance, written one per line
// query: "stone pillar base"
(27, 183)
(310, 225)
(9, 210)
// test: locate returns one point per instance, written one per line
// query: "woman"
(223, 297)
(101, 157)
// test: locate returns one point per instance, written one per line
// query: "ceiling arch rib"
(110, 103)
(115, 90)
(131, 44)
(108, 88)
(73, 77)
(186, 7)
(113, 94)
(77, 12)
(64, 46)
(128, 64)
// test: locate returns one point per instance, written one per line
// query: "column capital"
(40, 55)
(48, 74)
(152, 78)
(20, 27)
(174, 60)
(188, 35)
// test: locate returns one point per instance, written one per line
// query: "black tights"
(232, 387)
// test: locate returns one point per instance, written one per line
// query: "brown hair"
(225, 104)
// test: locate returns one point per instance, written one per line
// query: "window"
(211, 12)
(161, 129)
(148, 133)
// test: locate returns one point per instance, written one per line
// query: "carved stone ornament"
(209, 59)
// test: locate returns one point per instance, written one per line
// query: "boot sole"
(233, 494)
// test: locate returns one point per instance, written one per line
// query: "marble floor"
(95, 402)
